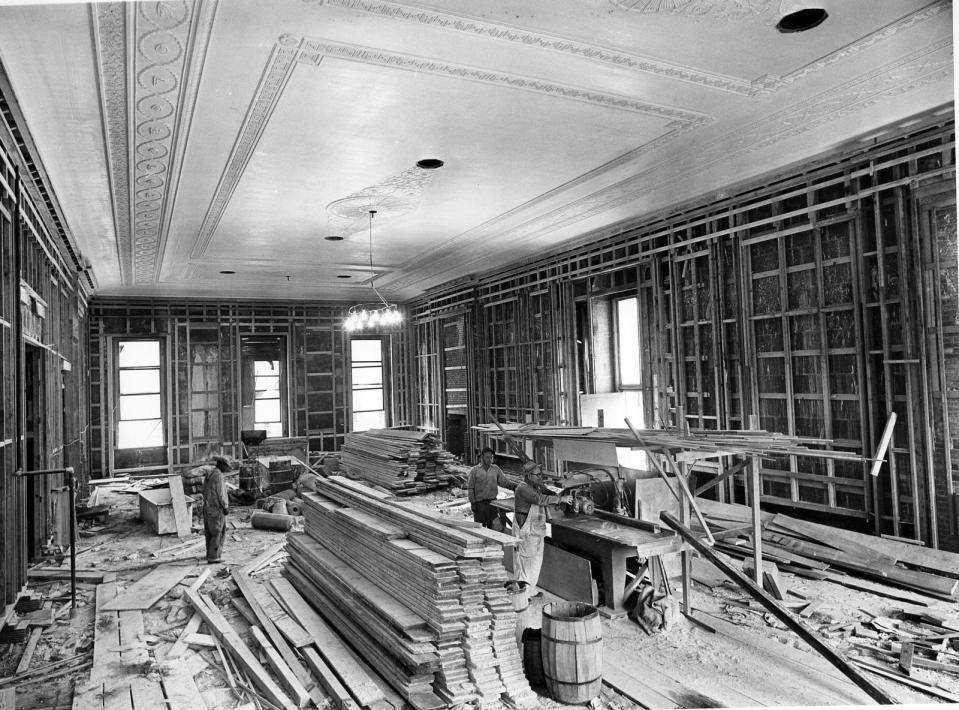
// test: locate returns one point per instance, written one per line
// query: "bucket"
(521, 606)
(533, 657)
(572, 650)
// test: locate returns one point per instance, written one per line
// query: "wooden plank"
(264, 557)
(337, 693)
(58, 573)
(567, 575)
(106, 635)
(331, 648)
(287, 678)
(8, 699)
(246, 586)
(905, 658)
(150, 588)
(181, 516)
(905, 680)
(31, 646)
(180, 645)
(202, 640)
(179, 687)
(789, 619)
(220, 628)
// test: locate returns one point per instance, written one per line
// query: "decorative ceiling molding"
(908, 73)
(146, 53)
(565, 45)
(277, 74)
(110, 44)
(315, 50)
(291, 50)
(713, 9)
(774, 83)
(765, 10)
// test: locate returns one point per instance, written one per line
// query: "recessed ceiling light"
(802, 20)
(429, 163)
(333, 238)
(343, 276)
(227, 271)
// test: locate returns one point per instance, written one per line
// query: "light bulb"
(364, 315)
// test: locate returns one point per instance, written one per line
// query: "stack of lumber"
(421, 601)
(405, 462)
(841, 556)
(751, 442)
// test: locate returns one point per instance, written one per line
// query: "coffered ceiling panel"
(189, 138)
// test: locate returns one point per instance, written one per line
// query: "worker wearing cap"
(482, 486)
(529, 525)
(216, 505)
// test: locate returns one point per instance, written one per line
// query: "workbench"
(610, 544)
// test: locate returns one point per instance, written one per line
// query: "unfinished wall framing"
(821, 299)
(202, 366)
(43, 360)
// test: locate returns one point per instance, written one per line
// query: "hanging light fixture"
(378, 314)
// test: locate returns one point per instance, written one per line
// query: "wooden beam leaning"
(784, 615)
(228, 636)
(269, 628)
(289, 681)
(332, 649)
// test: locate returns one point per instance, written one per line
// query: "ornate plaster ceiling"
(188, 138)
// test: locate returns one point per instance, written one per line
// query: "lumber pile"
(422, 602)
(750, 442)
(841, 556)
(405, 462)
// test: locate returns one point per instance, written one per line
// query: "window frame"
(118, 394)
(614, 314)
(384, 384)
(253, 348)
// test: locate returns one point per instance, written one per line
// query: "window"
(266, 397)
(367, 380)
(627, 342)
(264, 384)
(139, 406)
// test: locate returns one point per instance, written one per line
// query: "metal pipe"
(71, 483)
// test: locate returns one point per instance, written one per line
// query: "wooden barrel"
(572, 648)
(521, 606)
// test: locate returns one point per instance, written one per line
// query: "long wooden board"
(332, 649)
(181, 516)
(220, 628)
(150, 588)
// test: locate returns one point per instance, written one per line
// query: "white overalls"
(529, 550)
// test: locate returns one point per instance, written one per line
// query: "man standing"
(482, 485)
(216, 505)
(529, 525)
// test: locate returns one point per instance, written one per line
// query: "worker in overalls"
(529, 525)
(216, 505)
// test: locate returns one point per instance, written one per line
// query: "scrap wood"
(264, 558)
(792, 621)
(246, 587)
(150, 588)
(225, 633)
(904, 679)
(179, 547)
(28, 652)
(203, 640)
(192, 626)
(284, 672)
(334, 689)
(55, 667)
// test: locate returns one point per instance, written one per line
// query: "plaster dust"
(713, 666)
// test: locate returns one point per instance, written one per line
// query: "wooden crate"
(156, 510)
